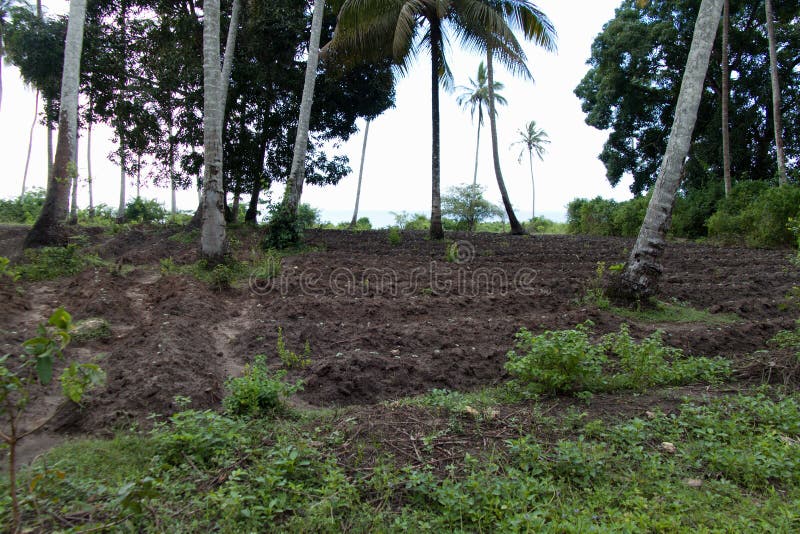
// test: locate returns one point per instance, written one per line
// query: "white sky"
(397, 169)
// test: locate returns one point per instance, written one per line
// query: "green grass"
(204, 471)
(675, 312)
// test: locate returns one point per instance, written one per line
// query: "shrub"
(541, 225)
(629, 215)
(394, 236)
(693, 209)
(145, 211)
(414, 221)
(759, 213)
(285, 229)
(592, 217)
(258, 392)
(22, 210)
(556, 361)
(567, 361)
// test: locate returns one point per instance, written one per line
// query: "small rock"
(472, 411)
(668, 447)
(694, 482)
(650, 415)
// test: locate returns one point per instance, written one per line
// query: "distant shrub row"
(755, 212)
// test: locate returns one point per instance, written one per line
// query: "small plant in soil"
(292, 359)
(18, 376)
(394, 236)
(259, 392)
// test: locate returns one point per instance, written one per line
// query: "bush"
(629, 215)
(759, 213)
(145, 211)
(285, 229)
(413, 221)
(557, 361)
(22, 210)
(258, 392)
(693, 209)
(592, 217)
(542, 225)
(567, 361)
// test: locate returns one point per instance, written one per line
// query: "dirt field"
(383, 321)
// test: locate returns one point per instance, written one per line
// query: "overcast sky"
(397, 170)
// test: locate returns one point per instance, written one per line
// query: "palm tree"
(49, 229)
(400, 28)
(212, 233)
(294, 183)
(533, 141)
(726, 94)
(643, 270)
(5, 5)
(475, 97)
(536, 27)
(776, 93)
(360, 175)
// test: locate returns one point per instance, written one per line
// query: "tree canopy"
(635, 72)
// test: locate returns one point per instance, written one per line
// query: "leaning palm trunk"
(30, 144)
(360, 176)
(776, 94)
(294, 184)
(640, 278)
(516, 227)
(212, 233)
(49, 229)
(726, 93)
(477, 150)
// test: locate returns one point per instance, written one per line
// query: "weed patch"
(566, 361)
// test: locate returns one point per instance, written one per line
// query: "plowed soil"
(383, 321)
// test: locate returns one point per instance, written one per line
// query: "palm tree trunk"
(294, 184)
(533, 186)
(122, 179)
(643, 270)
(2, 55)
(212, 233)
(516, 227)
(138, 176)
(73, 205)
(726, 93)
(776, 93)
(436, 230)
(227, 62)
(171, 162)
(48, 229)
(49, 148)
(30, 144)
(89, 160)
(360, 176)
(477, 147)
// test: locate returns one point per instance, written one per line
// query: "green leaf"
(77, 379)
(44, 368)
(61, 319)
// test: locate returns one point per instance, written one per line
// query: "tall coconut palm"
(5, 5)
(536, 27)
(776, 93)
(212, 233)
(532, 140)
(643, 270)
(30, 142)
(401, 28)
(294, 183)
(475, 98)
(49, 228)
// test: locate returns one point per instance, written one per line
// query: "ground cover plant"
(414, 406)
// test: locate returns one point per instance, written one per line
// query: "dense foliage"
(755, 212)
(636, 67)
